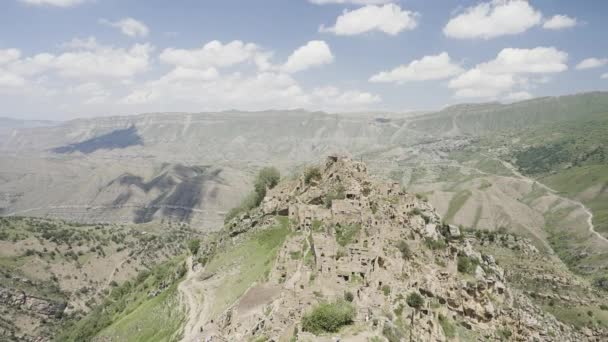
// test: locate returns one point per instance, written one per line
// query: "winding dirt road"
(554, 192)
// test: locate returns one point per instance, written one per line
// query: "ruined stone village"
(352, 233)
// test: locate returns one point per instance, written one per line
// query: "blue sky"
(62, 59)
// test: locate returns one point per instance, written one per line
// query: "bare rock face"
(381, 245)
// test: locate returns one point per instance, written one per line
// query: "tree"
(415, 301)
(193, 246)
(267, 178)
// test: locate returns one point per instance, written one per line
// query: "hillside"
(338, 253)
(56, 272)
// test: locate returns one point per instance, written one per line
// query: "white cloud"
(558, 22)
(58, 3)
(314, 53)
(591, 63)
(356, 2)
(518, 96)
(537, 60)
(129, 26)
(512, 68)
(604, 76)
(213, 54)
(91, 61)
(428, 68)
(9, 55)
(493, 19)
(262, 90)
(389, 18)
(9, 80)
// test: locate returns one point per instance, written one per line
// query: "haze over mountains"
(113, 167)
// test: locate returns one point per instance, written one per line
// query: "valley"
(115, 197)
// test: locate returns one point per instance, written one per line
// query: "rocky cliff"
(369, 252)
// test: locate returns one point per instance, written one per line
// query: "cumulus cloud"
(427, 68)
(604, 76)
(129, 26)
(58, 3)
(389, 18)
(88, 77)
(213, 54)
(493, 19)
(9, 55)
(355, 2)
(512, 68)
(89, 60)
(590, 63)
(558, 22)
(314, 53)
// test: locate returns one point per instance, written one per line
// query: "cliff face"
(404, 274)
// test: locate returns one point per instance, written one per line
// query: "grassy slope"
(253, 258)
(129, 314)
(158, 319)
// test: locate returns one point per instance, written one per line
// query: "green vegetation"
(129, 311)
(467, 265)
(253, 257)
(328, 317)
(335, 194)
(414, 300)
(193, 246)
(348, 296)
(386, 290)
(392, 333)
(312, 174)
(404, 248)
(448, 327)
(435, 244)
(456, 203)
(267, 178)
(346, 234)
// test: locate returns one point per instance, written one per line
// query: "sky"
(66, 59)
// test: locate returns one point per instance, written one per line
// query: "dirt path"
(556, 193)
(192, 296)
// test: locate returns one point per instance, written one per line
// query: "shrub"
(386, 290)
(448, 328)
(328, 317)
(466, 264)
(194, 245)
(603, 307)
(346, 234)
(312, 173)
(267, 178)
(404, 248)
(392, 333)
(435, 244)
(414, 300)
(348, 296)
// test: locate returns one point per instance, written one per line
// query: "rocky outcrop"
(37, 305)
(359, 235)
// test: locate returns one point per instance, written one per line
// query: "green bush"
(194, 245)
(348, 296)
(415, 300)
(392, 333)
(328, 317)
(386, 290)
(346, 234)
(312, 173)
(266, 179)
(404, 248)
(467, 264)
(448, 328)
